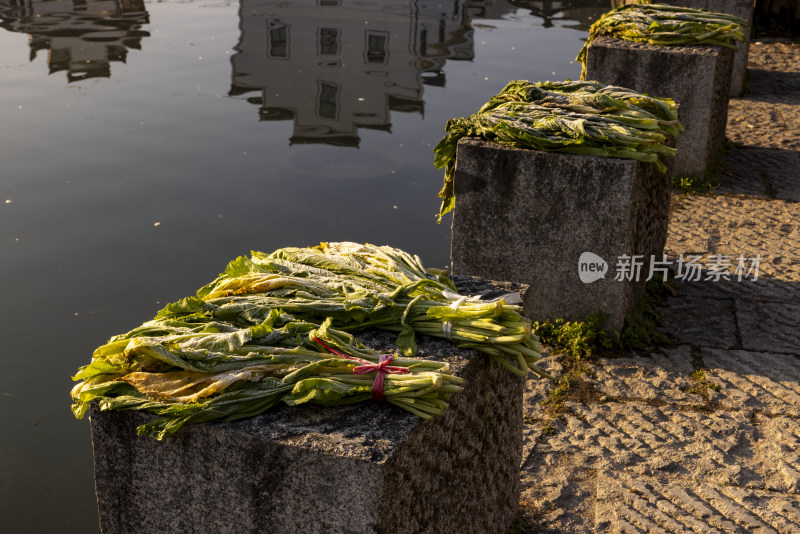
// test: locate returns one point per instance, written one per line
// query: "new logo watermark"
(690, 268)
(591, 267)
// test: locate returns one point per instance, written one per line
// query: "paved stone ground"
(649, 445)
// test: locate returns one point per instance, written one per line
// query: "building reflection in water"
(334, 66)
(81, 37)
(582, 12)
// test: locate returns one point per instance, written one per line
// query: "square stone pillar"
(530, 216)
(738, 8)
(696, 77)
(364, 468)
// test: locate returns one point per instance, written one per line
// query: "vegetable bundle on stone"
(366, 286)
(661, 24)
(570, 117)
(275, 328)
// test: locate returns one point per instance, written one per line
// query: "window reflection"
(328, 41)
(350, 63)
(334, 67)
(581, 13)
(328, 103)
(376, 47)
(278, 39)
(80, 37)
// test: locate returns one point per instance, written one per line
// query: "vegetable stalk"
(583, 117)
(276, 328)
(661, 24)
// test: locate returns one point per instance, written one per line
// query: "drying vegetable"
(271, 329)
(571, 117)
(193, 374)
(661, 24)
(361, 286)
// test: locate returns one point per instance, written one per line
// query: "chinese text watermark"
(689, 268)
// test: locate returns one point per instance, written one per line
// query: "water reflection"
(81, 37)
(334, 66)
(582, 12)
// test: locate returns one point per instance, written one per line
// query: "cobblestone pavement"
(704, 435)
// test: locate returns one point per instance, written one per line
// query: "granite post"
(530, 217)
(364, 468)
(738, 8)
(696, 77)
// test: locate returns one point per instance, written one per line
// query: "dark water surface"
(144, 145)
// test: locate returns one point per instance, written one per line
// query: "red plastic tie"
(381, 368)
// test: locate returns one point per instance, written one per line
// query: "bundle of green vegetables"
(274, 328)
(361, 286)
(571, 117)
(661, 24)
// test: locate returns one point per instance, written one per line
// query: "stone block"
(779, 446)
(364, 468)
(560, 501)
(696, 77)
(627, 503)
(768, 326)
(766, 121)
(657, 377)
(528, 216)
(738, 8)
(646, 440)
(706, 322)
(764, 172)
(764, 382)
